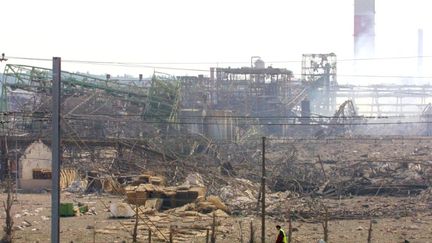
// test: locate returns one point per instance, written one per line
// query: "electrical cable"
(45, 113)
(213, 62)
(259, 123)
(150, 65)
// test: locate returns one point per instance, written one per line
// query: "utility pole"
(55, 146)
(3, 104)
(263, 182)
(3, 58)
(4, 166)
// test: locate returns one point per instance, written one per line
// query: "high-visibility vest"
(285, 239)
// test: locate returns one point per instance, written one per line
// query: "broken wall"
(34, 165)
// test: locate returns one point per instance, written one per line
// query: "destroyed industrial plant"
(224, 154)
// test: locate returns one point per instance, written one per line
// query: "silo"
(259, 64)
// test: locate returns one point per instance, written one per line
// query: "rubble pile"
(241, 195)
(151, 192)
(371, 178)
(184, 211)
(362, 207)
(426, 195)
(295, 169)
(335, 169)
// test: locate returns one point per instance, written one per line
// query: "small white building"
(35, 167)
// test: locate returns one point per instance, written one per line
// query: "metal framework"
(101, 119)
(319, 68)
(389, 100)
(320, 71)
(92, 106)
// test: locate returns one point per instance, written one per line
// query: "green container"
(66, 210)
(83, 209)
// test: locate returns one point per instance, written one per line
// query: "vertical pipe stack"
(364, 28)
(420, 52)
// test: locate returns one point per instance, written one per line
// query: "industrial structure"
(148, 117)
(97, 114)
(180, 158)
(227, 104)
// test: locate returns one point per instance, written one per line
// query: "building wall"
(36, 156)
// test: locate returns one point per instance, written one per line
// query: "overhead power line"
(255, 123)
(151, 65)
(45, 114)
(382, 76)
(259, 123)
(123, 64)
(208, 62)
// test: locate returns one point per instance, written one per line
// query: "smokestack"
(420, 51)
(364, 28)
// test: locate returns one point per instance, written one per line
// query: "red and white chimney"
(364, 28)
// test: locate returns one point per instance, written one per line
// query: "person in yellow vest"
(281, 238)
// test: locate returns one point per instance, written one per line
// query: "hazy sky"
(173, 31)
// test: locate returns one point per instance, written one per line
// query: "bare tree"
(213, 229)
(240, 231)
(369, 240)
(289, 227)
(252, 233)
(171, 234)
(135, 230)
(8, 228)
(324, 222)
(321, 210)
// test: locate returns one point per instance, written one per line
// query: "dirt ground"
(31, 219)
(394, 219)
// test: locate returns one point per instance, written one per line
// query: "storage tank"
(259, 64)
